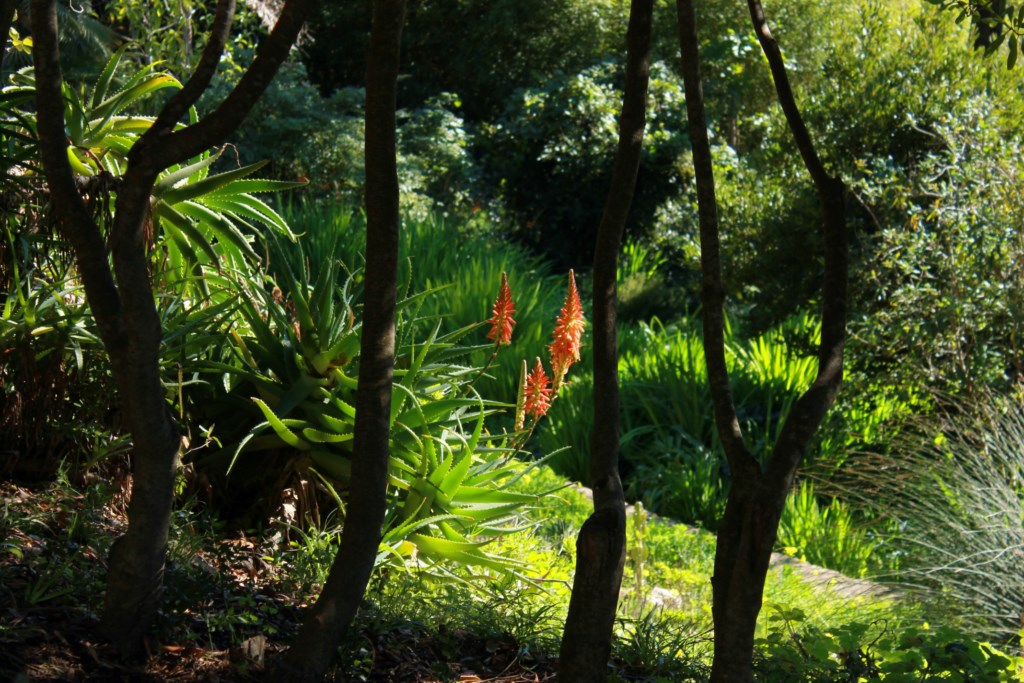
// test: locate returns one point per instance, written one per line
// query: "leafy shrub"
(943, 296)
(200, 220)
(875, 651)
(551, 151)
(463, 258)
(668, 428)
(293, 370)
(325, 137)
(503, 44)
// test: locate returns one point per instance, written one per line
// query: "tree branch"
(740, 459)
(605, 442)
(73, 217)
(197, 84)
(811, 407)
(160, 147)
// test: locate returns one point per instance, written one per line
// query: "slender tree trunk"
(750, 524)
(7, 9)
(331, 616)
(600, 548)
(122, 301)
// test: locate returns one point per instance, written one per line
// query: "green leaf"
(433, 411)
(169, 180)
(209, 184)
(136, 89)
(462, 553)
(318, 436)
(177, 221)
(222, 227)
(251, 208)
(99, 92)
(334, 465)
(283, 427)
(252, 185)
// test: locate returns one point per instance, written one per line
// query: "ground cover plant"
(234, 598)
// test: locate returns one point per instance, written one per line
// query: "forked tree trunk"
(331, 616)
(122, 300)
(600, 548)
(750, 524)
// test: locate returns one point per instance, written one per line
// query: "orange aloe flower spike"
(565, 349)
(537, 392)
(501, 315)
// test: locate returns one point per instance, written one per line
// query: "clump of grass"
(954, 484)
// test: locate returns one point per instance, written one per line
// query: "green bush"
(466, 259)
(550, 155)
(874, 651)
(942, 297)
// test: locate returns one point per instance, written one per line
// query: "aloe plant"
(204, 217)
(296, 340)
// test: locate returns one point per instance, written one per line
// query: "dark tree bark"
(7, 9)
(331, 616)
(750, 524)
(121, 298)
(600, 548)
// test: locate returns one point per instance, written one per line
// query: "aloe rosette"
(296, 339)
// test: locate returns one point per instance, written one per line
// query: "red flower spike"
(537, 392)
(565, 349)
(501, 319)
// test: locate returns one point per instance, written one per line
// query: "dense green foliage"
(505, 138)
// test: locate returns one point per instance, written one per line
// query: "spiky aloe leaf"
(172, 178)
(249, 208)
(220, 226)
(182, 225)
(209, 184)
(283, 428)
(334, 465)
(99, 91)
(463, 553)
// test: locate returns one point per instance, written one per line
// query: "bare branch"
(160, 148)
(196, 85)
(712, 290)
(809, 410)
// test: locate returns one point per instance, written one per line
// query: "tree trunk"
(122, 302)
(331, 616)
(750, 524)
(7, 9)
(600, 548)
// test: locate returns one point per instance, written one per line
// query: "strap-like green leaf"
(283, 427)
(252, 208)
(171, 179)
(187, 228)
(222, 227)
(137, 89)
(210, 184)
(253, 185)
(99, 92)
